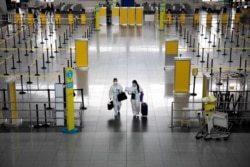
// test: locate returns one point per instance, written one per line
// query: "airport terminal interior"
(58, 59)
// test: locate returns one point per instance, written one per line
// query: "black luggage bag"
(144, 109)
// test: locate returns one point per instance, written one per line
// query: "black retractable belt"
(49, 102)
(59, 78)
(207, 61)
(45, 34)
(190, 40)
(6, 47)
(66, 35)
(26, 49)
(70, 28)
(232, 34)
(35, 42)
(18, 56)
(47, 56)
(237, 43)
(14, 41)
(209, 37)
(5, 66)
(41, 38)
(31, 47)
(4, 100)
(8, 31)
(230, 56)
(45, 125)
(184, 36)
(37, 118)
(14, 27)
(64, 38)
(180, 30)
(2, 33)
(56, 51)
(187, 36)
(51, 51)
(224, 52)
(222, 30)
(219, 83)
(244, 45)
(43, 67)
(13, 62)
(37, 74)
(218, 48)
(198, 54)
(202, 30)
(202, 56)
(214, 42)
(60, 44)
(22, 91)
(240, 64)
(24, 35)
(212, 65)
(29, 81)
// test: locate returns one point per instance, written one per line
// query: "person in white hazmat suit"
(135, 91)
(114, 90)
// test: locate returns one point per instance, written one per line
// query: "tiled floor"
(126, 53)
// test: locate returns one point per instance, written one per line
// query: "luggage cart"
(215, 127)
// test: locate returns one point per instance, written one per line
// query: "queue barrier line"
(212, 48)
(43, 49)
(218, 68)
(188, 48)
(8, 57)
(11, 36)
(25, 75)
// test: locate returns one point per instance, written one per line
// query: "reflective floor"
(127, 53)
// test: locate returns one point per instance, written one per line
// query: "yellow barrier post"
(169, 18)
(103, 15)
(182, 18)
(43, 18)
(196, 19)
(30, 18)
(58, 18)
(139, 16)
(224, 18)
(237, 16)
(162, 13)
(69, 102)
(182, 74)
(70, 18)
(123, 15)
(115, 15)
(81, 53)
(209, 18)
(131, 16)
(97, 18)
(18, 18)
(83, 19)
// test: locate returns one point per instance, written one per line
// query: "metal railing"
(35, 114)
(236, 114)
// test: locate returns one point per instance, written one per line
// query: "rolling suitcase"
(144, 109)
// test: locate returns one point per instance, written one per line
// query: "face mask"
(134, 85)
(115, 83)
